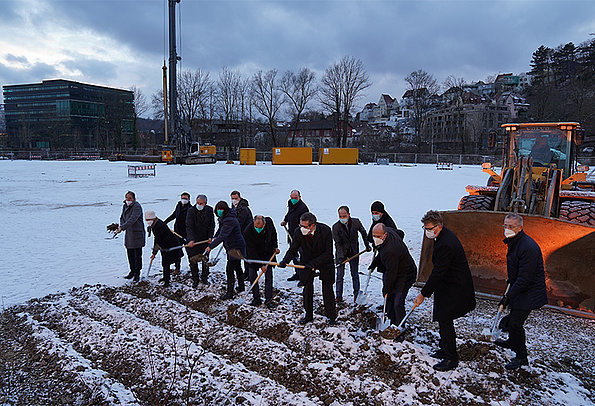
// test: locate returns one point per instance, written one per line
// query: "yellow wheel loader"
(541, 180)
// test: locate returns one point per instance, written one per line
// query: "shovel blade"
(382, 325)
(362, 299)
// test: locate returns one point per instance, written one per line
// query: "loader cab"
(549, 145)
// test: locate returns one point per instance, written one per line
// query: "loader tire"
(476, 202)
(578, 211)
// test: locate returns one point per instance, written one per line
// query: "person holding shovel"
(261, 244)
(200, 226)
(316, 242)
(179, 214)
(451, 283)
(346, 246)
(131, 221)
(397, 267)
(165, 240)
(526, 277)
(230, 235)
(295, 208)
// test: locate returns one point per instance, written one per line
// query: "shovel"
(350, 258)
(150, 264)
(245, 295)
(288, 234)
(494, 332)
(383, 324)
(362, 297)
(214, 261)
(238, 255)
(401, 327)
(182, 246)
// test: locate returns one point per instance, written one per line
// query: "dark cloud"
(19, 59)
(35, 73)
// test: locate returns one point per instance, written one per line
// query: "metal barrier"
(141, 171)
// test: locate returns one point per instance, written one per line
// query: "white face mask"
(199, 207)
(431, 234)
(304, 230)
(378, 241)
(129, 202)
(235, 201)
(508, 233)
(184, 201)
(150, 222)
(376, 217)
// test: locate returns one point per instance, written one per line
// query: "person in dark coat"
(379, 215)
(295, 208)
(261, 244)
(451, 283)
(131, 221)
(244, 217)
(165, 239)
(200, 226)
(179, 214)
(230, 235)
(316, 242)
(397, 267)
(527, 291)
(347, 245)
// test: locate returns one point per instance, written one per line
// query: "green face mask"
(219, 213)
(259, 230)
(294, 201)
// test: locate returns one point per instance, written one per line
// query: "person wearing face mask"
(200, 226)
(164, 239)
(244, 215)
(316, 242)
(131, 221)
(379, 215)
(261, 244)
(451, 283)
(347, 245)
(230, 234)
(179, 214)
(295, 208)
(398, 270)
(527, 291)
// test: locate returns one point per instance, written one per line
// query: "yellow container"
(292, 156)
(167, 156)
(207, 150)
(247, 156)
(338, 156)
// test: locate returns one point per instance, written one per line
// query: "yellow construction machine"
(541, 180)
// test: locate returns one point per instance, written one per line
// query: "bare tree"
(157, 105)
(141, 106)
(268, 99)
(193, 93)
(331, 95)
(456, 86)
(299, 89)
(421, 89)
(355, 81)
(228, 98)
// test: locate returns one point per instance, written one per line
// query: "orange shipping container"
(208, 149)
(338, 156)
(247, 156)
(292, 156)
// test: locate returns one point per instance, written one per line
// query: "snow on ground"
(108, 341)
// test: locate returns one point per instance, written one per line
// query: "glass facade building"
(68, 114)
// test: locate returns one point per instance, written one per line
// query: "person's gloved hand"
(371, 268)
(307, 268)
(505, 301)
(368, 248)
(282, 264)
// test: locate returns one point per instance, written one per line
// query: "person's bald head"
(379, 231)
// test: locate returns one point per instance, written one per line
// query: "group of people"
(254, 239)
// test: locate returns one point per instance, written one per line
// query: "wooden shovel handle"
(353, 257)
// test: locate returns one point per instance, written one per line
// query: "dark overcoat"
(131, 221)
(244, 213)
(261, 245)
(180, 214)
(450, 280)
(388, 221)
(200, 226)
(229, 233)
(395, 263)
(316, 251)
(294, 212)
(164, 238)
(526, 274)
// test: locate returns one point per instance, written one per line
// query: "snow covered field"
(55, 213)
(106, 341)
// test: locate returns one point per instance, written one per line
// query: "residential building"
(65, 114)
(385, 104)
(317, 134)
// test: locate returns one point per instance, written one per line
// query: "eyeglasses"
(429, 229)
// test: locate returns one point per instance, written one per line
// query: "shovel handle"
(353, 257)
(259, 275)
(288, 233)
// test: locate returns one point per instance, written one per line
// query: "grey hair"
(433, 217)
(202, 197)
(260, 217)
(309, 217)
(517, 218)
(297, 191)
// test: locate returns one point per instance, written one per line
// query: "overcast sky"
(121, 42)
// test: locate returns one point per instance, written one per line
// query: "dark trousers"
(268, 282)
(328, 296)
(166, 273)
(354, 269)
(204, 271)
(516, 332)
(395, 305)
(135, 259)
(448, 339)
(232, 269)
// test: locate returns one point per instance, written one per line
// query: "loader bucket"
(568, 251)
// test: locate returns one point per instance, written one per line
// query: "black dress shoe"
(301, 284)
(502, 343)
(446, 365)
(130, 275)
(305, 319)
(240, 289)
(439, 354)
(270, 305)
(293, 277)
(255, 303)
(194, 283)
(166, 284)
(226, 296)
(516, 363)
